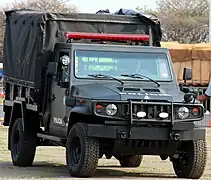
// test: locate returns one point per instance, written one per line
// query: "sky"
(91, 6)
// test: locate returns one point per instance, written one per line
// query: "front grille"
(152, 110)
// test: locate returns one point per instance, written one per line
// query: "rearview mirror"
(52, 68)
(187, 74)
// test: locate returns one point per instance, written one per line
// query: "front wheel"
(82, 152)
(23, 145)
(192, 160)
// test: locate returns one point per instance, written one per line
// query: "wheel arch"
(78, 114)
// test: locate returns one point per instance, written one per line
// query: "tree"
(185, 21)
(1, 32)
(46, 5)
(146, 10)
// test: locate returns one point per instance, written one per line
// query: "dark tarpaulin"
(30, 37)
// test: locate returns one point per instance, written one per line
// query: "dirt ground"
(50, 164)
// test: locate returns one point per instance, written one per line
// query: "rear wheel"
(192, 160)
(130, 160)
(23, 145)
(82, 152)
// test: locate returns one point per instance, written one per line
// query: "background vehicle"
(107, 90)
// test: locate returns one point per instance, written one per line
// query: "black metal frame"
(131, 119)
(172, 104)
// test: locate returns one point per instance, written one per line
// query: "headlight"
(163, 115)
(111, 109)
(141, 114)
(183, 112)
(65, 60)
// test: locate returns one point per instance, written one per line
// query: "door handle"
(53, 97)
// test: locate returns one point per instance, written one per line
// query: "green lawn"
(1, 100)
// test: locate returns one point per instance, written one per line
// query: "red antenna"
(107, 37)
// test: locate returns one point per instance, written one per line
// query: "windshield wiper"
(140, 77)
(105, 76)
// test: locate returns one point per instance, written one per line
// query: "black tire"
(130, 160)
(23, 146)
(191, 164)
(81, 164)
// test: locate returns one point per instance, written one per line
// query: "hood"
(110, 92)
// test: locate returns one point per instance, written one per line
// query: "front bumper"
(145, 133)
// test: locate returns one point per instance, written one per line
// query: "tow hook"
(108, 156)
(121, 134)
(176, 136)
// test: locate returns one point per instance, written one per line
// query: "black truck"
(97, 84)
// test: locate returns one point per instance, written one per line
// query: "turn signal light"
(195, 111)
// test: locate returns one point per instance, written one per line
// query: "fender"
(82, 110)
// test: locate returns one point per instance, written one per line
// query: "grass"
(1, 100)
(50, 164)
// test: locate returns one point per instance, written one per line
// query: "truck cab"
(87, 72)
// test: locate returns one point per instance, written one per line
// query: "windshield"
(153, 65)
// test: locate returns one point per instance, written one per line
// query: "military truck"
(97, 84)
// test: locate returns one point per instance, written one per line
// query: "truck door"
(58, 87)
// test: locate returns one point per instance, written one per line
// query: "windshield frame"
(124, 50)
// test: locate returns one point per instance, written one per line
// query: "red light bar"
(105, 36)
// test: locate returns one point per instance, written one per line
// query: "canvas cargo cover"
(30, 37)
(179, 52)
(188, 52)
(202, 52)
(195, 56)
